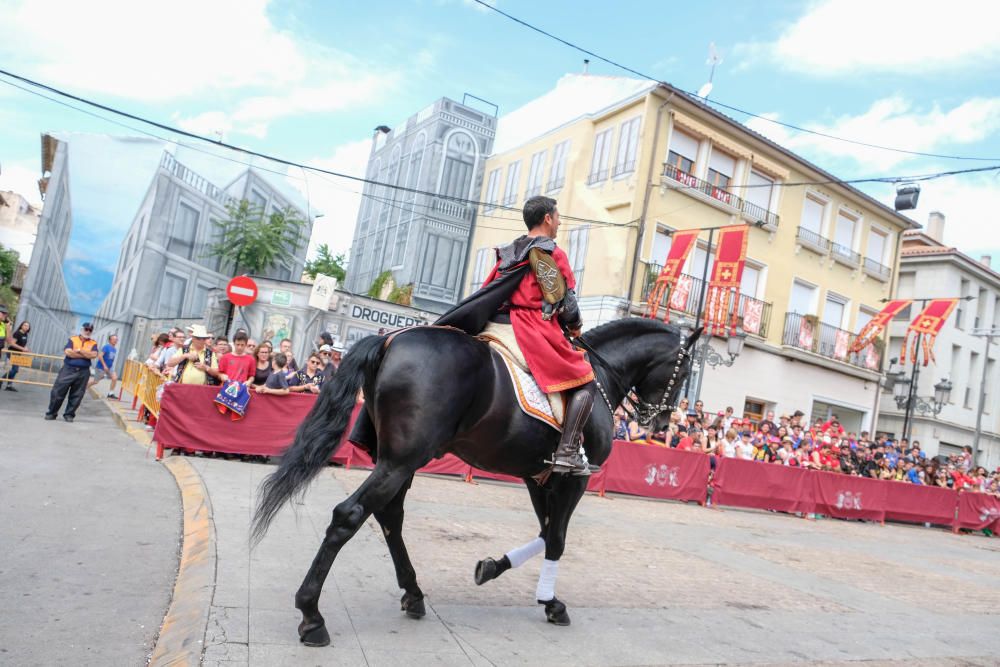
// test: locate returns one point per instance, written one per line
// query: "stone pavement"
(89, 541)
(647, 583)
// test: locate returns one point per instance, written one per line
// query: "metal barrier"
(28, 368)
(130, 377)
(149, 385)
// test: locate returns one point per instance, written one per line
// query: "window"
(402, 234)
(602, 154)
(257, 199)
(661, 246)
(485, 259)
(759, 190)
(172, 295)
(803, 298)
(750, 280)
(442, 261)
(683, 151)
(833, 310)
(628, 147)
(813, 212)
(956, 359)
(183, 232)
(974, 374)
(877, 243)
(990, 369)
(459, 163)
(721, 168)
(865, 315)
(696, 262)
(200, 300)
(493, 190)
(513, 182)
(535, 174)
(843, 235)
(578, 253)
(558, 176)
(215, 238)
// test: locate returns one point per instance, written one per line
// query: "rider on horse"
(540, 309)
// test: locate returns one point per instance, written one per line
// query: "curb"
(181, 640)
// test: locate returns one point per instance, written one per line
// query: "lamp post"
(904, 391)
(989, 335)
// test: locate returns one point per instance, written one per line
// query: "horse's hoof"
(486, 570)
(555, 612)
(412, 605)
(314, 636)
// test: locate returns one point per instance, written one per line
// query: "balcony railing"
(623, 168)
(597, 176)
(845, 255)
(556, 183)
(806, 333)
(812, 240)
(450, 209)
(755, 314)
(533, 191)
(877, 270)
(199, 183)
(748, 209)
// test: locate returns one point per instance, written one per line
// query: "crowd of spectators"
(822, 444)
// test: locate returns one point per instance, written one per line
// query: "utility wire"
(730, 107)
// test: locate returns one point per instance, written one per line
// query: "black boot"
(569, 455)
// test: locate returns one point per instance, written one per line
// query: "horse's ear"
(693, 338)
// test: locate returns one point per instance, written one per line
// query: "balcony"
(555, 184)
(876, 270)
(755, 314)
(751, 212)
(452, 210)
(845, 255)
(806, 333)
(595, 177)
(812, 240)
(623, 169)
(533, 191)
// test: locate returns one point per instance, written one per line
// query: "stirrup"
(578, 469)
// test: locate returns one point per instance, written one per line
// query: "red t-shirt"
(238, 368)
(685, 444)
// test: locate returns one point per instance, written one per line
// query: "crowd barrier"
(39, 370)
(189, 420)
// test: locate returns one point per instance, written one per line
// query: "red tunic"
(555, 364)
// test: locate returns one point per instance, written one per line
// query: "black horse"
(431, 391)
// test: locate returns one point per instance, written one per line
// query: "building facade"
(631, 161)
(422, 238)
(44, 297)
(931, 269)
(166, 269)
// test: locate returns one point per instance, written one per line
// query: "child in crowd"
(277, 381)
(237, 366)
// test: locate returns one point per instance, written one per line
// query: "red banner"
(724, 284)
(877, 324)
(681, 244)
(849, 497)
(764, 486)
(977, 511)
(928, 323)
(918, 503)
(656, 472)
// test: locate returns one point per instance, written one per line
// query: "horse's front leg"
(562, 498)
(374, 493)
(390, 518)
(489, 569)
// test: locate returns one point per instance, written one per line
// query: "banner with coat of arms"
(927, 324)
(877, 324)
(681, 244)
(727, 273)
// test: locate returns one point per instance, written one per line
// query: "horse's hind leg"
(375, 492)
(562, 498)
(390, 518)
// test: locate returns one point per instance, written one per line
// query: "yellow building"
(640, 159)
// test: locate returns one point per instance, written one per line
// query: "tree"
(8, 265)
(328, 264)
(253, 242)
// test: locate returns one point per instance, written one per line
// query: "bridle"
(635, 407)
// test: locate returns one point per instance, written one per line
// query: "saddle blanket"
(548, 408)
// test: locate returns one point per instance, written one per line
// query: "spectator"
(286, 348)
(18, 342)
(728, 444)
(769, 421)
(262, 366)
(6, 324)
(252, 347)
(160, 343)
(744, 448)
(173, 346)
(336, 356)
(635, 434)
(324, 338)
(196, 362)
(106, 365)
(796, 419)
(620, 421)
(699, 408)
(221, 347)
(237, 366)
(277, 382)
(310, 379)
(326, 354)
(965, 460)
(74, 374)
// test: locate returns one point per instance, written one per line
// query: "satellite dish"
(705, 90)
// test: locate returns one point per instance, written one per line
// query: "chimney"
(586, 65)
(987, 261)
(935, 226)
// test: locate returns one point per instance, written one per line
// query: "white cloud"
(840, 37)
(892, 121)
(339, 199)
(22, 179)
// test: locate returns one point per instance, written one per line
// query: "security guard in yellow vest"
(74, 375)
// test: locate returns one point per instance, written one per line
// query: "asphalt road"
(89, 538)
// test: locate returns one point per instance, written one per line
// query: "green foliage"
(9, 298)
(252, 242)
(326, 263)
(8, 265)
(403, 294)
(379, 284)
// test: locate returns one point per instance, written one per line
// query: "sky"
(309, 80)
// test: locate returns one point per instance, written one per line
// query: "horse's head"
(660, 386)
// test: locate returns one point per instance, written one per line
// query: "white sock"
(522, 554)
(546, 589)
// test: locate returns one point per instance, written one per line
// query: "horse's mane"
(627, 326)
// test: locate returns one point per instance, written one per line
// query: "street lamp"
(704, 354)
(904, 393)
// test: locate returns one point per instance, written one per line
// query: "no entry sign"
(241, 291)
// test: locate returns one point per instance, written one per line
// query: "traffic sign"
(241, 291)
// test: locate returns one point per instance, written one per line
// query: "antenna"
(714, 58)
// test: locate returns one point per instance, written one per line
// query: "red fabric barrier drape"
(977, 511)
(848, 497)
(916, 503)
(190, 420)
(763, 486)
(656, 472)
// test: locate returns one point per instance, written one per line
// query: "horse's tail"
(318, 436)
